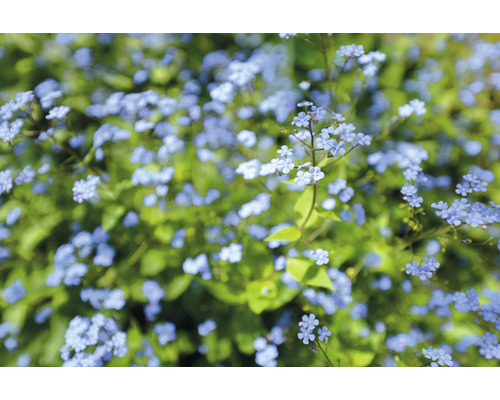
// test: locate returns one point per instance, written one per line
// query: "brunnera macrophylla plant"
(209, 200)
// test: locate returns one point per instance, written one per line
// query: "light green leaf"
(111, 216)
(177, 286)
(304, 271)
(303, 205)
(228, 292)
(245, 326)
(362, 358)
(329, 214)
(153, 262)
(289, 234)
(259, 294)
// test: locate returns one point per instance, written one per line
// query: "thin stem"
(328, 68)
(266, 188)
(74, 154)
(337, 85)
(301, 141)
(310, 43)
(342, 156)
(394, 123)
(313, 203)
(464, 241)
(323, 351)
(318, 232)
(356, 100)
(425, 235)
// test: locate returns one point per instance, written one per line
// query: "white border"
(198, 16)
(247, 383)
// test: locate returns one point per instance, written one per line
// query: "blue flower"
(303, 178)
(131, 219)
(58, 112)
(5, 181)
(301, 120)
(205, 328)
(15, 292)
(309, 321)
(464, 190)
(233, 253)
(306, 335)
(324, 334)
(350, 51)
(84, 190)
(415, 201)
(443, 358)
(166, 332)
(321, 256)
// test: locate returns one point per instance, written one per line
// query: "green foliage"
(245, 298)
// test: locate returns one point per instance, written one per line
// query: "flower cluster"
(408, 157)
(197, 265)
(68, 268)
(147, 352)
(165, 332)
(85, 190)
(15, 292)
(463, 211)
(104, 298)
(91, 342)
(307, 326)
(415, 106)
(266, 354)
(351, 51)
(207, 327)
(439, 357)
(154, 293)
(425, 270)
(9, 332)
(369, 62)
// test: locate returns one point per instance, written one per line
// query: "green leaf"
(36, 233)
(267, 295)
(304, 271)
(16, 314)
(177, 286)
(362, 358)
(111, 216)
(245, 326)
(260, 294)
(153, 262)
(288, 234)
(120, 82)
(228, 292)
(219, 348)
(329, 214)
(303, 205)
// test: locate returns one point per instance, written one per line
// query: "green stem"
(328, 68)
(323, 351)
(310, 43)
(337, 85)
(313, 203)
(342, 156)
(356, 100)
(264, 186)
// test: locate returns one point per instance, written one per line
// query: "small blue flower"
(58, 112)
(324, 334)
(321, 256)
(301, 120)
(306, 335)
(309, 321)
